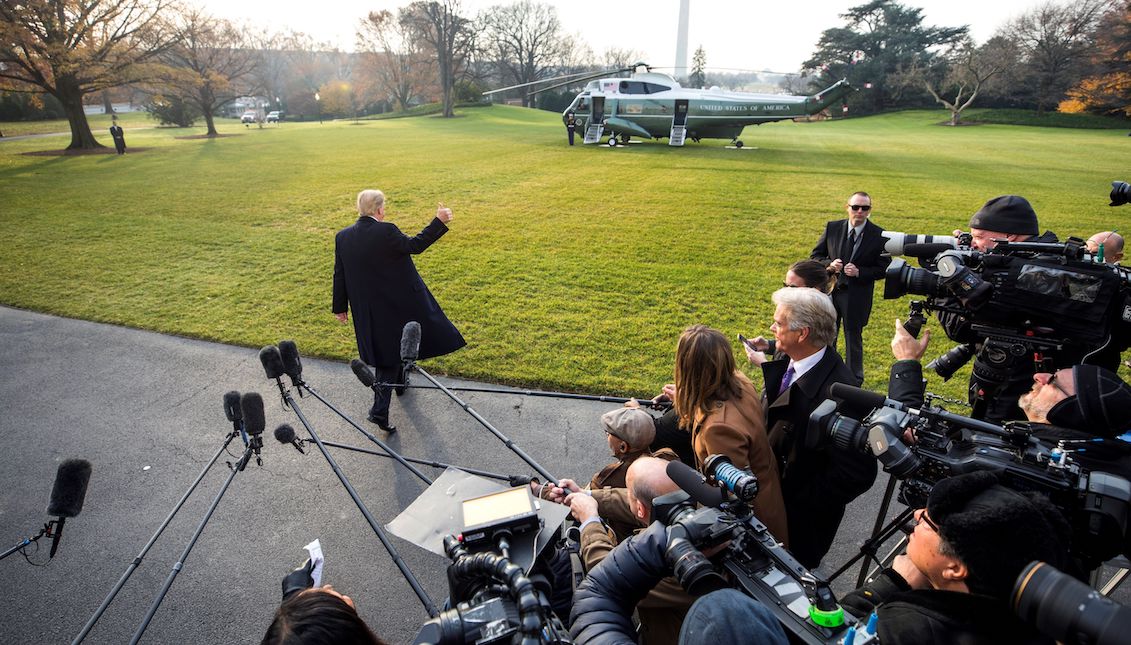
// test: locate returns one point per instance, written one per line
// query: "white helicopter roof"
(654, 79)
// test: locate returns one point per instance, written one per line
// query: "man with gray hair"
(818, 482)
(374, 276)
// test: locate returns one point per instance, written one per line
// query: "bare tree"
(1055, 40)
(525, 40)
(390, 57)
(956, 77)
(438, 27)
(211, 65)
(614, 58)
(70, 48)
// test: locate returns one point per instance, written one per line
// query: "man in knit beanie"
(1008, 217)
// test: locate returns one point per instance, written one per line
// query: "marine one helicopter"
(651, 105)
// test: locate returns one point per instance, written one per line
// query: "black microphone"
(67, 495)
(251, 405)
(286, 434)
(694, 484)
(410, 341)
(363, 373)
(234, 413)
(862, 400)
(272, 361)
(928, 250)
(292, 364)
(232, 407)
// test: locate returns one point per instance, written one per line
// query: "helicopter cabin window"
(641, 87)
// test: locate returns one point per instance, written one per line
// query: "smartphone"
(745, 341)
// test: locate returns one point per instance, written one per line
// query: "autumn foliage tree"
(1107, 90)
(71, 48)
(391, 58)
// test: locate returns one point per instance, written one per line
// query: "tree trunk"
(954, 117)
(70, 96)
(107, 104)
(209, 119)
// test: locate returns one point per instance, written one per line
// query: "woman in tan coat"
(724, 411)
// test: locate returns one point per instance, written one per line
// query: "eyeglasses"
(860, 207)
(1052, 382)
(923, 517)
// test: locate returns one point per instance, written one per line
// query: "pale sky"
(737, 34)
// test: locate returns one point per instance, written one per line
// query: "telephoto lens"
(1068, 610)
(952, 361)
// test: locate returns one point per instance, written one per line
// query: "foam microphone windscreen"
(694, 485)
(856, 397)
(251, 404)
(232, 406)
(70, 488)
(292, 364)
(272, 361)
(285, 433)
(929, 250)
(410, 341)
(363, 373)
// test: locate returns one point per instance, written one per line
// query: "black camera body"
(754, 562)
(1096, 504)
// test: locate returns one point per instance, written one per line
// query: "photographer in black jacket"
(972, 540)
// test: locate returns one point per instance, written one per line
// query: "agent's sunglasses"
(860, 207)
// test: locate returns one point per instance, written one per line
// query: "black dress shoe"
(384, 425)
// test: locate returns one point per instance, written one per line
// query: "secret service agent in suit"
(119, 138)
(852, 250)
(375, 277)
(819, 482)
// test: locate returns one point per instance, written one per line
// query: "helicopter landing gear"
(624, 139)
(738, 143)
(612, 140)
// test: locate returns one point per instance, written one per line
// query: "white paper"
(316, 558)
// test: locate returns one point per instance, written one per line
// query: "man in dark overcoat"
(375, 277)
(852, 250)
(817, 482)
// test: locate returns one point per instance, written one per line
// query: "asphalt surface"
(146, 410)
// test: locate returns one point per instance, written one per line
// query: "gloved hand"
(298, 579)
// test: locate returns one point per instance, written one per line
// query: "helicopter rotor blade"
(582, 78)
(574, 77)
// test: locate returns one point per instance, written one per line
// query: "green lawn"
(570, 268)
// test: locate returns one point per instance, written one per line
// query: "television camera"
(493, 600)
(751, 559)
(1049, 303)
(1096, 504)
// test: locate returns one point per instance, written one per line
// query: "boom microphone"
(410, 341)
(292, 364)
(861, 400)
(272, 361)
(362, 372)
(67, 495)
(926, 250)
(286, 434)
(251, 404)
(232, 407)
(694, 484)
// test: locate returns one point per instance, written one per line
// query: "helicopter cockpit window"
(641, 87)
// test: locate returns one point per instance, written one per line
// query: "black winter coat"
(817, 483)
(375, 278)
(925, 616)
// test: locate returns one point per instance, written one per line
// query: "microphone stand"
(514, 480)
(645, 403)
(149, 545)
(301, 385)
(412, 366)
(48, 530)
(251, 447)
(289, 401)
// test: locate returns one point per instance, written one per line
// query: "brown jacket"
(737, 429)
(613, 477)
(663, 609)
